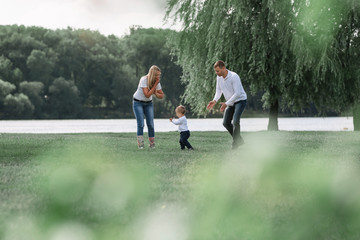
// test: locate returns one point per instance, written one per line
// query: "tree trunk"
(356, 117)
(273, 116)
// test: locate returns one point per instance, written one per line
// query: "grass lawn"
(279, 185)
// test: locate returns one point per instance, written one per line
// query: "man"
(229, 84)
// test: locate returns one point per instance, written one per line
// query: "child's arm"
(175, 121)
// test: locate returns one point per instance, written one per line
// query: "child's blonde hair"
(181, 109)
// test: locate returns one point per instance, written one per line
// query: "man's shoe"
(237, 144)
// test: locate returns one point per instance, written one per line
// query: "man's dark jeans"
(231, 121)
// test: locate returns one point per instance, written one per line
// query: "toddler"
(183, 128)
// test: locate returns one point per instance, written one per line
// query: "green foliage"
(105, 70)
(356, 116)
(5, 68)
(194, 53)
(325, 43)
(244, 34)
(150, 47)
(295, 52)
(18, 105)
(64, 99)
(41, 66)
(301, 185)
(5, 89)
(35, 93)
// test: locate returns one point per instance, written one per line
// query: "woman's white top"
(139, 94)
(182, 123)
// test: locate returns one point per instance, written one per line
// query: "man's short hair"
(219, 64)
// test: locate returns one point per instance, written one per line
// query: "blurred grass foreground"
(279, 185)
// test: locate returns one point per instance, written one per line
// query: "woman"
(142, 104)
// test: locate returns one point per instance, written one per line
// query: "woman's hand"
(149, 92)
(159, 94)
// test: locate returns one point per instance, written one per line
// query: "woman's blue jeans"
(231, 120)
(141, 110)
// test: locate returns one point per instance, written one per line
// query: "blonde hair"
(181, 109)
(151, 76)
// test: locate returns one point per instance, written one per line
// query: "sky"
(106, 16)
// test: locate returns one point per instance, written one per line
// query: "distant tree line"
(62, 74)
(77, 73)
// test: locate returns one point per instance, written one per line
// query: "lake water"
(164, 125)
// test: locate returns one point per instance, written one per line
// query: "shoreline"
(163, 125)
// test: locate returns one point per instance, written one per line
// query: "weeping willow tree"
(292, 51)
(326, 43)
